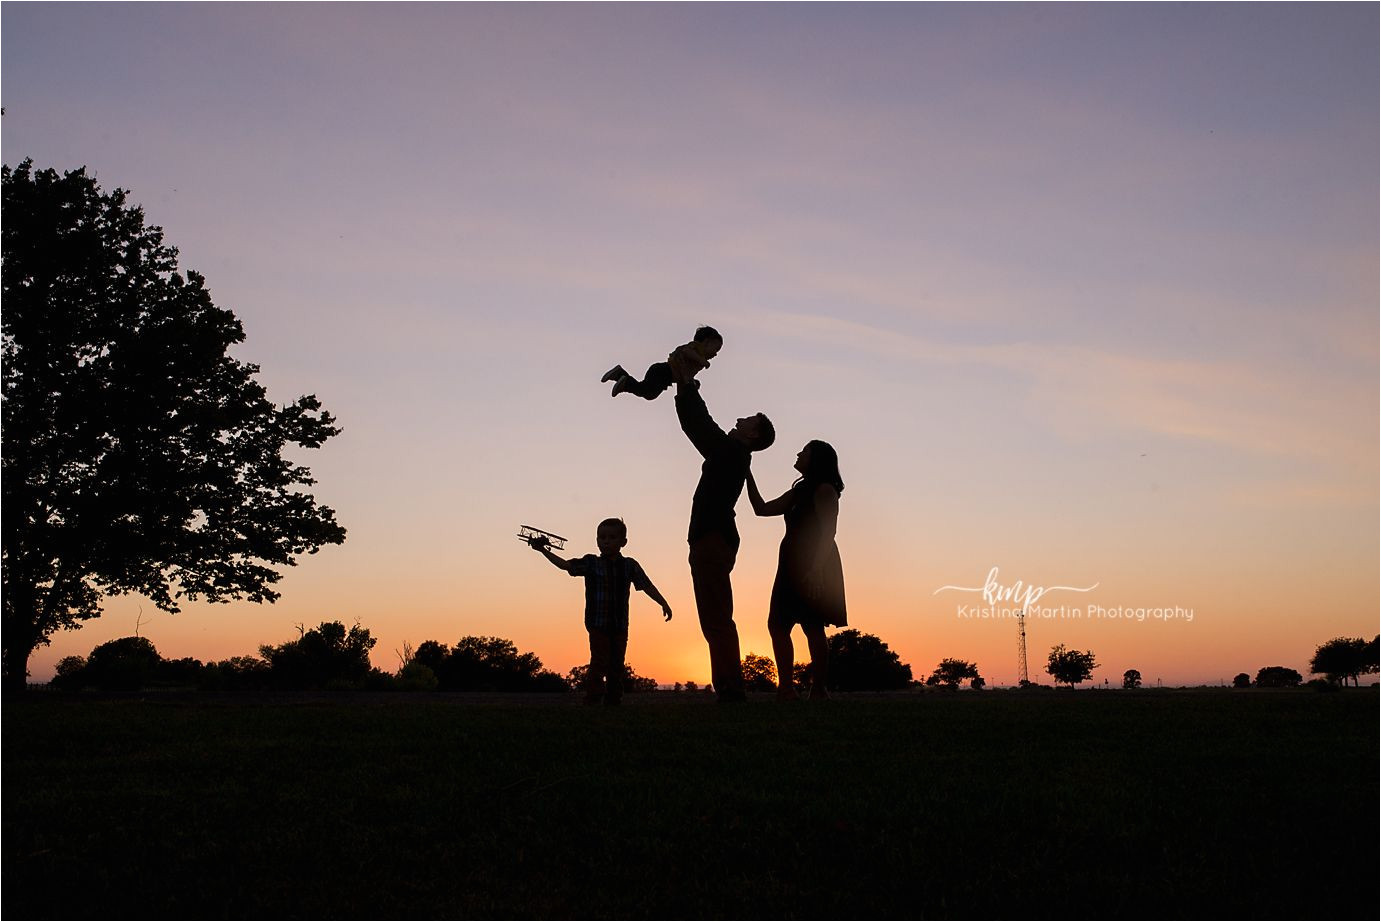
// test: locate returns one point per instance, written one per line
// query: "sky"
(1084, 293)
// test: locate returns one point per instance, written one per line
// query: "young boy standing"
(608, 578)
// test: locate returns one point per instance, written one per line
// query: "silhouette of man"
(713, 536)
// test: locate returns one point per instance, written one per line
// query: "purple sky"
(1088, 293)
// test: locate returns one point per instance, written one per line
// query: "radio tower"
(1022, 677)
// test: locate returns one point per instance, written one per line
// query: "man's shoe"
(614, 374)
(622, 384)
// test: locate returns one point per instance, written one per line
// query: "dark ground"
(1176, 804)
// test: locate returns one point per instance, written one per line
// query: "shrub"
(123, 664)
(416, 676)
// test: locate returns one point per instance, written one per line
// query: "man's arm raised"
(695, 418)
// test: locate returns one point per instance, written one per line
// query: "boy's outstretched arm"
(656, 596)
(545, 550)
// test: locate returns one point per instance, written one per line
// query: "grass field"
(1106, 804)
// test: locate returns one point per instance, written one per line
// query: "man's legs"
(711, 562)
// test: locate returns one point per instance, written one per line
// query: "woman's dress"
(795, 598)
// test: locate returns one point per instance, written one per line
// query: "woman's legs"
(819, 659)
(784, 653)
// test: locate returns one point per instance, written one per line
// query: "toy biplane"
(536, 537)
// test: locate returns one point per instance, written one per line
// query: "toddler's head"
(708, 342)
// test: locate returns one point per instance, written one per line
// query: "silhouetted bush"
(126, 664)
(327, 657)
(123, 664)
(490, 664)
(239, 673)
(1277, 677)
(70, 673)
(862, 662)
(432, 655)
(759, 673)
(374, 680)
(632, 682)
(417, 676)
(951, 672)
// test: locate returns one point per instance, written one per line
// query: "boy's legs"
(600, 655)
(656, 380)
(618, 647)
(711, 562)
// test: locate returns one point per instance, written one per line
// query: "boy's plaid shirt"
(607, 582)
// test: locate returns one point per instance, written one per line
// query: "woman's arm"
(777, 506)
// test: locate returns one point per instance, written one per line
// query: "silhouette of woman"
(809, 589)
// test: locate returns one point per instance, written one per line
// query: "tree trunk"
(20, 614)
(15, 668)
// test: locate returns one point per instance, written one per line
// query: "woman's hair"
(823, 466)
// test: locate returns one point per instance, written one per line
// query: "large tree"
(139, 456)
(1277, 677)
(1070, 666)
(1340, 659)
(950, 672)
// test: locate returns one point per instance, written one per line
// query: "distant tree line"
(334, 657)
(327, 657)
(1336, 660)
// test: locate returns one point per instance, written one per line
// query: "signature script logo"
(1024, 596)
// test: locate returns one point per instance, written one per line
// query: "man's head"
(755, 431)
(610, 536)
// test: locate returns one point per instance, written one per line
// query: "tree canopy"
(139, 456)
(759, 673)
(952, 672)
(1070, 666)
(1277, 677)
(1344, 658)
(327, 656)
(862, 662)
(575, 681)
(486, 664)
(1131, 678)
